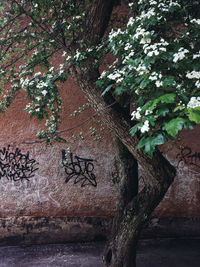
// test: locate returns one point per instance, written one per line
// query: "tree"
(155, 71)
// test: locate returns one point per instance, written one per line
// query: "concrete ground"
(151, 253)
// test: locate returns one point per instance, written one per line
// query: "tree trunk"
(159, 174)
(117, 252)
(134, 208)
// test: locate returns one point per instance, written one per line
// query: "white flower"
(153, 3)
(68, 58)
(28, 105)
(114, 76)
(147, 112)
(197, 84)
(154, 49)
(41, 84)
(149, 14)
(193, 75)
(145, 40)
(136, 114)
(131, 21)
(155, 76)
(196, 55)
(128, 57)
(151, 53)
(159, 83)
(194, 102)
(44, 92)
(119, 80)
(141, 69)
(24, 82)
(145, 127)
(113, 34)
(195, 21)
(103, 74)
(37, 74)
(180, 55)
(36, 52)
(127, 46)
(31, 83)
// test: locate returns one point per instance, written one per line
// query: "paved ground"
(151, 253)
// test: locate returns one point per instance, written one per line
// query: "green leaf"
(179, 108)
(167, 98)
(119, 90)
(144, 83)
(107, 89)
(154, 104)
(134, 129)
(162, 111)
(189, 125)
(150, 143)
(159, 139)
(141, 143)
(168, 81)
(174, 126)
(194, 115)
(146, 143)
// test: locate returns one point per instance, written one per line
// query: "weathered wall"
(47, 195)
(183, 197)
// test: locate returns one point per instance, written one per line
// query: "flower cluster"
(136, 114)
(156, 48)
(157, 62)
(197, 21)
(194, 102)
(158, 67)
(180, 55)
(193, 75)
(145, 127)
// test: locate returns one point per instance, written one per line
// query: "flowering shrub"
(158, 65)
(30, 35)
(157, 61)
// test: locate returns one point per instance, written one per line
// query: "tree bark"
(134, 208)
(126, 181)
(159, 176)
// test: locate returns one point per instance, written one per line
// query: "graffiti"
(41, 191)
(81, 169)
(15, 165)
(186, 156)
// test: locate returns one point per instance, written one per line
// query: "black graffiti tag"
(188, 157)
(15, 165)
(80, 169)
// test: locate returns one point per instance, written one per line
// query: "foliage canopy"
(156, 61)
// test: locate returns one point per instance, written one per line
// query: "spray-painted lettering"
(81, 169)
(187, 156)
(15, 166)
